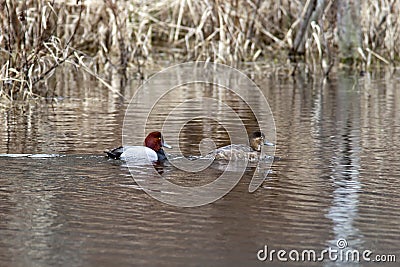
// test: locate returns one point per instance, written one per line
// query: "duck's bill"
(164, 144)
(268, 143)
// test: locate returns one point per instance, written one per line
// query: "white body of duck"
(138, 153)
(152, 150)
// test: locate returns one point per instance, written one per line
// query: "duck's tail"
(115, 153)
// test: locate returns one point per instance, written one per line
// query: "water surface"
(338, 141)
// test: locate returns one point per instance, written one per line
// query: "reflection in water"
(338, 178)
(344, 163)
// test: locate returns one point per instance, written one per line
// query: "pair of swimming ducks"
(154, 143)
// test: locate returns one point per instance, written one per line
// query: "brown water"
(338, 177)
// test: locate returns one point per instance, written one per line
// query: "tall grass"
(36, 37)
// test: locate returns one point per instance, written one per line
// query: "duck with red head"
(152, 149)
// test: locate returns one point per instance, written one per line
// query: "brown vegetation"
(38, 36)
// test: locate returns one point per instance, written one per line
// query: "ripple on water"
(337, 178)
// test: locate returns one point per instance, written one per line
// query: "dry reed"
(94, 35)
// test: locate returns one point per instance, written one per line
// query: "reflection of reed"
(338, 176)
(79, 119)
(337, 141)
(193, 128)
(345, 162)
